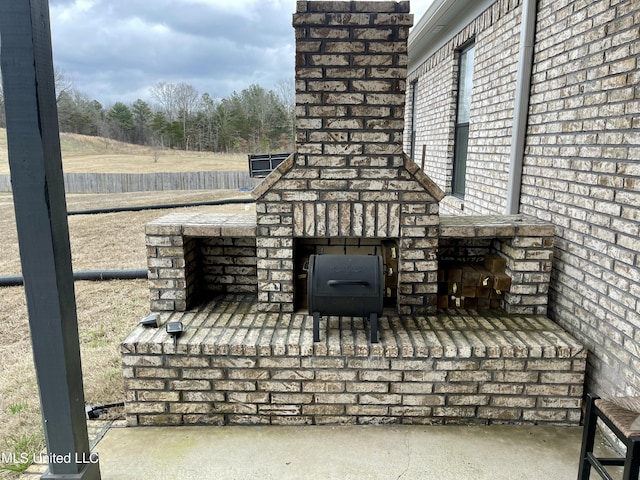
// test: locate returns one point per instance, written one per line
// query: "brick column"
(351, 65)
(349, 177)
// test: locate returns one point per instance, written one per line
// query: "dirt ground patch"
(107, 311)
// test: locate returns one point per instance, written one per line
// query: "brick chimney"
(349, 178)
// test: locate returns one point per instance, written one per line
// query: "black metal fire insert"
(345, 285)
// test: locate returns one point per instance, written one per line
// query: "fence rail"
(149, 182)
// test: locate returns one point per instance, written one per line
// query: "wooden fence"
(149, 182)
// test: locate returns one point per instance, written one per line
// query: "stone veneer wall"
(349, 176)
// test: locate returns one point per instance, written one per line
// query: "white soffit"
(442, 20)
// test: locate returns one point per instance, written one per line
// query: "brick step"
(236, 365)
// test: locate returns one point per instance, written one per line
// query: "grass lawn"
(84, 154)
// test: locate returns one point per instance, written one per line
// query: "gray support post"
(521, 105)
(41, 217)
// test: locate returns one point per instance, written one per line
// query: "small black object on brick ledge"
(175, 329)
(348, 285)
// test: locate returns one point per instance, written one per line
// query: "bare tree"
(165, 94)
(208, 123)
(63, 84)
(186, 100)
(285, 89)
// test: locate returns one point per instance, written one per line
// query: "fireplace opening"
(387, 248)
(472, 274)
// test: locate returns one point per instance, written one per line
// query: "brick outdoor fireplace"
(349, 178)
(236, 282)
(348, 188)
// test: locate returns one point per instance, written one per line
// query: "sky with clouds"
(116, 50)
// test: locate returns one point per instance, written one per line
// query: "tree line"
(177, 116)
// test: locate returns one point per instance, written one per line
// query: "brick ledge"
(450, 368)
(232, 325)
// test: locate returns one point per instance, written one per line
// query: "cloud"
(116, 50)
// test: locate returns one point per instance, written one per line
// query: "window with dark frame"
(461, 142)
(414, 108)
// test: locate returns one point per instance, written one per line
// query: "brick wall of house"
(581, 167)
(435, 116)
(496, 37)
(582, 173)
(492, 103)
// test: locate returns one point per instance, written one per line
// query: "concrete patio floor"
(341, 452)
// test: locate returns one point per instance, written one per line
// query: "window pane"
(414, 108)
(466, 82)
(460, 164)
